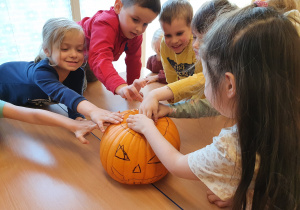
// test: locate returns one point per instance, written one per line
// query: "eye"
(80, 50)
(167, 35)
(64, 49)
(135, 20)
(145, 24)
(179, 33)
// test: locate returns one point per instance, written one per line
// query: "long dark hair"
(261, 48)
(208, 12)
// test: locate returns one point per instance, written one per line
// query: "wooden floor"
(48, 168)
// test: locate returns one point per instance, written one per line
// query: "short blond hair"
(176, 9)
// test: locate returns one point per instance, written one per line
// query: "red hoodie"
(106, 43)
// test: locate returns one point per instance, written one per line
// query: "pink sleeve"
(133, 59)
(101, 55)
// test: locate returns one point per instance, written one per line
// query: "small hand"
(102, 117)
(151, 79)
(131, 92)
(212, 198)
(83, 128)
(163, 110)
(139, 83)
(139, 123)
(149, 107)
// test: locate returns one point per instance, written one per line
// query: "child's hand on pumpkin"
(140, 123)
(150, 104)
(149, 107)
(102, 117)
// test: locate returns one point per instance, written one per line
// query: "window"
(89, 7)
(21, 24)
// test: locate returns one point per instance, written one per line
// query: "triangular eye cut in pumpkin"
(154, 160)
(121, 154)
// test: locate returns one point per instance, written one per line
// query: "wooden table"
(48, 168)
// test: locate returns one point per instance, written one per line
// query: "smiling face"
(69, 56)
(133, 19)
(177, 34)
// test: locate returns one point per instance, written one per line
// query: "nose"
(140, 28)
(73, 53)
(174, 40)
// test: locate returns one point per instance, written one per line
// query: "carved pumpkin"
(127, 156)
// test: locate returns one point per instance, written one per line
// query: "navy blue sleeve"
(75, 82)
(47, 79)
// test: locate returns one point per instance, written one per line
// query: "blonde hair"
(54, 32)
(157, 36)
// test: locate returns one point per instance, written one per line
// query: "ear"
(118, 6)
(47, 53)
(230, 85)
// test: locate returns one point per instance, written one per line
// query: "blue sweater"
(25, 83)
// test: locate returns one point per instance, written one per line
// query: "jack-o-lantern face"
(127, 156)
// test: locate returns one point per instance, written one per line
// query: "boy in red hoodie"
(111, 32)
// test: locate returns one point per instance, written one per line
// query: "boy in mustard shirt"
(177, 54)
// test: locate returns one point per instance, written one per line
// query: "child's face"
(70, 55)
(134, 19)
(197, 41)
(177, 35)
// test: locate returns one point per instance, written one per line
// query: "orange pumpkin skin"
(127, 156)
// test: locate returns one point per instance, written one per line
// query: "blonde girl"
(56, 76)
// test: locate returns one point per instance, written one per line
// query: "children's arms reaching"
(97, 115)
(132, 92)
(149, 106)
(43, 117)
(172, 159)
